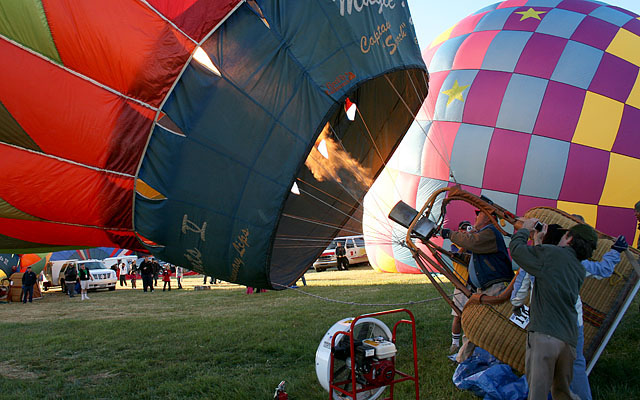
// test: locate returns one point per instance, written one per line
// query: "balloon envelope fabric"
(180, 127)
(532, 103)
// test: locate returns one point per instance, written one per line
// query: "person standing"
(70, 278)
(166, 278)
(490, 269)
(29, 279)
(553, 324)
(179, 274)
(146, 270)
(155, 266)
(85, 276)
(341, 257)
(122, 267)
(551, 234)
(459, 298)
(133, 271)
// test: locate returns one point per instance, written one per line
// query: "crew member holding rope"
(490, 268)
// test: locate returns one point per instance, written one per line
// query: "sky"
(432, 17)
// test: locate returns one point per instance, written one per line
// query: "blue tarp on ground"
(487, 377)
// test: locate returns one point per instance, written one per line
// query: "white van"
(109, 262)
(103, 277)
(354, 246)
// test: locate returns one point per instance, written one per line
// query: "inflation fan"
(356, 358)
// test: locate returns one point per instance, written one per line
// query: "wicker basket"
(489, 326)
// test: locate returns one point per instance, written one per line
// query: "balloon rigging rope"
(357, 172)
(353, 303)
(436, 148)
(439, 134)
(375, 199)
(340, 211)
(375, 146)
(324, 192)
(382, 222)
(311, 221)
(352, 195)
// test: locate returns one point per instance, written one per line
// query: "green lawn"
(225, 344)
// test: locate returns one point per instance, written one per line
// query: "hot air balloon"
(531, 104)
(37, 261)
(98, 253)
(191, 128)
(7, 262)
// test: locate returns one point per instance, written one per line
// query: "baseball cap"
(586, 233)
(554, 234)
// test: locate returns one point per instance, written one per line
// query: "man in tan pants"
(553, 327)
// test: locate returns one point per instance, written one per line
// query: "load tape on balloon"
(183, 130)
(531, 103)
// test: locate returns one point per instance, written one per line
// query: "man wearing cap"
(551, 234)
(459, 299)
(553, 326)
(29, 279)
(490, 268)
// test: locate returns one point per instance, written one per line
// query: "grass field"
(226, 344)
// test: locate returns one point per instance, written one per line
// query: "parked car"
(109, 262)
(103, 277)
(354, 246)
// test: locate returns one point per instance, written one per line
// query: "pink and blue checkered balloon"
(531, 103)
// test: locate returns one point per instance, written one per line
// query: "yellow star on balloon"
(455, 93)
(530, 13)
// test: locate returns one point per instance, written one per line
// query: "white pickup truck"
(103, 277)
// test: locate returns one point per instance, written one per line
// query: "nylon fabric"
(83, 196)
(54, 235)
(25, 22)
(515, 98)
(75, 138)
(9, 211)
(11, 132)
(101, 137)
(195, 17)
(92, 40)
(251, 129)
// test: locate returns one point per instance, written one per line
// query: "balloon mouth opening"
(353, 145)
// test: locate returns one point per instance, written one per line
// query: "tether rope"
(353, 303)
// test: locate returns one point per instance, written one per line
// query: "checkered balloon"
(531, 103)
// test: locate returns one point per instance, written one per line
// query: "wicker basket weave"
(489, 326)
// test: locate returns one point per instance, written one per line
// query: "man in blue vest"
(490, 269)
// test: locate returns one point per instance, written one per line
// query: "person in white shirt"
(122, 267)
(179, 274)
